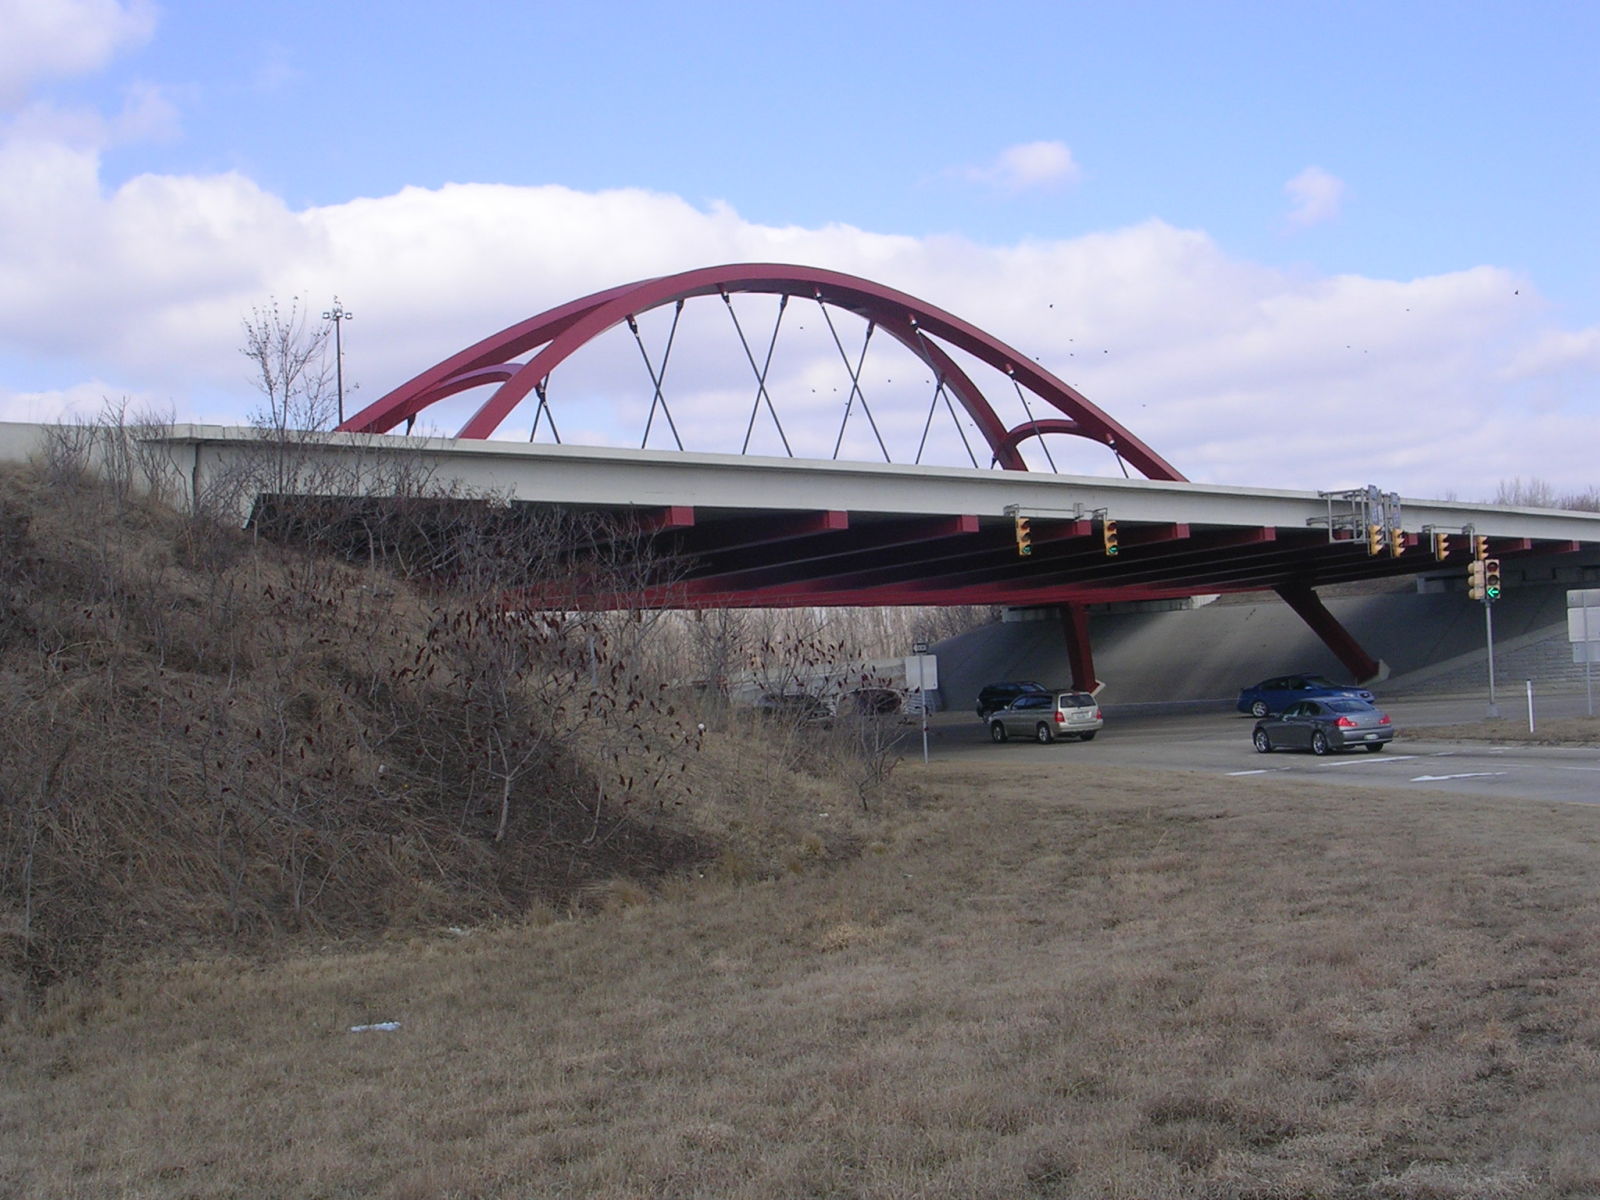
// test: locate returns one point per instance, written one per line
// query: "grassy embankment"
(1056, 982)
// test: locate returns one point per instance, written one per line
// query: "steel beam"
(1309, 608)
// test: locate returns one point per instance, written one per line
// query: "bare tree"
(291, 368)
(1536, 493)
(121, 449)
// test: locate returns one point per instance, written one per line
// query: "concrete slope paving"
(1428, 640)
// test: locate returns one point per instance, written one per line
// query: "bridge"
(747, 528)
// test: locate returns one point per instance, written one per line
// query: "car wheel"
(1088, 737)
(1042, 734)
(1374, 748)
(997, 732)
(1263, 742)
(1319, 742)
(1258, 709)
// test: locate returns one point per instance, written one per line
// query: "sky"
(1291, 245)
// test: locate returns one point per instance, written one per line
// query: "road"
(1218, 743)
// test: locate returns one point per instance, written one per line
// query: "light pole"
(338, 316)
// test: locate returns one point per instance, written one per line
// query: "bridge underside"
(731, 558)
(689, 557)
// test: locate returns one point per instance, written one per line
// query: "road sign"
(1576, 620)
(1583, 631)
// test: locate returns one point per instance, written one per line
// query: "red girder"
(562, 330)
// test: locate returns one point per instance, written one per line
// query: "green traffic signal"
(1024, 536)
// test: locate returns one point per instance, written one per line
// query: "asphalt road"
(1218, 743)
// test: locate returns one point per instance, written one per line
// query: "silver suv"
(1046, 716)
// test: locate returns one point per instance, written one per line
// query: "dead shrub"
(212, 739)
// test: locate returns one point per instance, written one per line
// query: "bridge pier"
(1080, 652)
(1309, 608)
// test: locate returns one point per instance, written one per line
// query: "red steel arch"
(554, 335)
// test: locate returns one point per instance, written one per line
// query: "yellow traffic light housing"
(1397, 543)
(1108, 534)
(1480, 547)
(1024, 537)
(1491, 578)
(1374, 539)
(1475, 580)
(1441, 546)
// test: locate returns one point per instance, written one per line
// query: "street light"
(338, 316)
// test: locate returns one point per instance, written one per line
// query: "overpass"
(745, 531)
(726, 530)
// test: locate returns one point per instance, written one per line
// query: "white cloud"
(47, 39)
(1027, 166)
(147, 115)
(275, 72)
(86, 402)
(1235, 372)
(1558, 350)
(1316, 195)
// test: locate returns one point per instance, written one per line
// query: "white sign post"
(1583, 631)
(920, 650)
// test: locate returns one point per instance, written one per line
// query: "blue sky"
(1379, 218)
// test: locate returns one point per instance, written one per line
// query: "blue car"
(1272, 696)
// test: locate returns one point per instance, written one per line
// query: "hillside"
(208, 740)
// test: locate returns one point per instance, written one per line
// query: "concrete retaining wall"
(1430, 642)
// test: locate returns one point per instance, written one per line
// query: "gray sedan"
(1322, 726)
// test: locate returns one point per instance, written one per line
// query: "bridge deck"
(731, 530)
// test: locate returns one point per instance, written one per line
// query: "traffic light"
(1108, 533)
(1374, 539)
(1397, 543)
(1480, 547)
(1475, 580)
(1441, 546)
(1491, 578)
(1024, 537)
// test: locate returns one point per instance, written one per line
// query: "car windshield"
(1317, 681)
(1075, 700)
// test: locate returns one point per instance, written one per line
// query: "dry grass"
(1563, 731)
(1050, 981)
(209, 740)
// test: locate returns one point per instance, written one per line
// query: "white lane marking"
(1369, 758)
(1465, 775)
(1258, 771)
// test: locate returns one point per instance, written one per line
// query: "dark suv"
(998, 695)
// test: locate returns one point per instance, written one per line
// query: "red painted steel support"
(553, 336)
(1309, 608)
(1080, 653)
